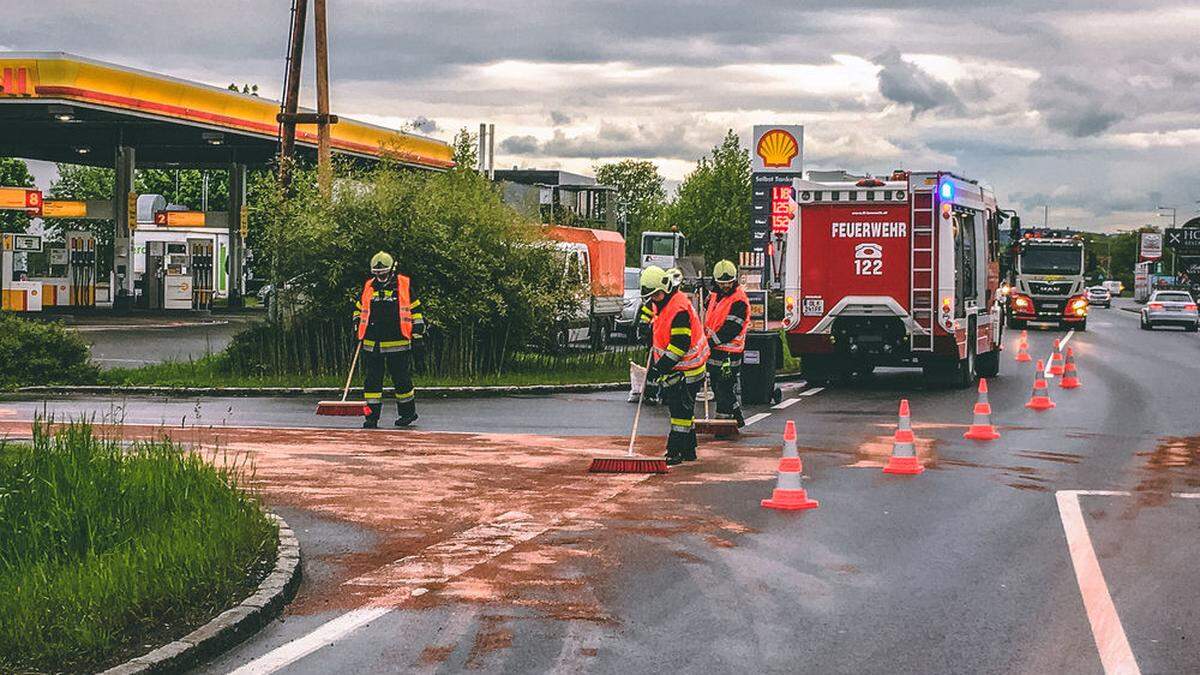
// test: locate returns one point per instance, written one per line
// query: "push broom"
(343, 407)
(631, 463)
(717, 427)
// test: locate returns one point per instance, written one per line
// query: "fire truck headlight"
(1021, 302)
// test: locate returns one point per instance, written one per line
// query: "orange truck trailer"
(595, 258)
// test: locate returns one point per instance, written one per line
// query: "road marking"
(814, 391)
(1062, 344)
(756, 418)
(436, 564)
(1115, 654)
(785, 404)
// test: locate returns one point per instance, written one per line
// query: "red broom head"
(628, 465)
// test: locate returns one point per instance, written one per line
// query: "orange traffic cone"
(982, 429)
(788, 494)
(1040, 399)
(1070, 378)
(1056, 360)
(1023, 348)
(904, 455)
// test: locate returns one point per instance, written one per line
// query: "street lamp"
(1173, 211)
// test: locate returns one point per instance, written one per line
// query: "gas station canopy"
(64, 108)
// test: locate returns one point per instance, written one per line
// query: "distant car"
(1099, 296)
(1171, 308)
(1115, 287)
(627, 322)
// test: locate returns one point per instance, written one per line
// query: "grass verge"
(106, 548)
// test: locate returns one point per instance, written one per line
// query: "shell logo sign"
(778, 148)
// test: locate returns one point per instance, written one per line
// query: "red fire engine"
(895, 272)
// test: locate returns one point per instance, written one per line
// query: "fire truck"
(901, 271)
(1048, 283)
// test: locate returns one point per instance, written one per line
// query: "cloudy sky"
(1090, 107)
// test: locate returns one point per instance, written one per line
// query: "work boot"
(405, 420)
(372, 420)
(737, 415)
(370, 423)
(672, 460)
(688, 455)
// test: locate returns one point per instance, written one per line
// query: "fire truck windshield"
(1051, 260)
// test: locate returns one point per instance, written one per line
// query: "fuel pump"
(81, 268)
(201, 253)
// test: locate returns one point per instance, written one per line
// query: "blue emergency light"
(947, 191)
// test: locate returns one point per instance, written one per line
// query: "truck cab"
(663, 249)
(1048, 283)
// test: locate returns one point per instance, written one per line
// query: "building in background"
(560, 198)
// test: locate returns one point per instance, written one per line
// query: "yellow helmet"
(381, 262)
(676, 277)
(654, 279)
(724, 272)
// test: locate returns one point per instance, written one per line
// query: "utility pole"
(291, 93)
(324, 159)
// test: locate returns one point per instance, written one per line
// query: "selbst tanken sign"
(777, 149)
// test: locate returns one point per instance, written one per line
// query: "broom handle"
(350, 375)
(703, 309)
(638, 415)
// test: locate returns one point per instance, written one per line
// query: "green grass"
(524, 370)
(107, 547)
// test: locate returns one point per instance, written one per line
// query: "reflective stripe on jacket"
(697, 352)
(718, 313)
(403, 305)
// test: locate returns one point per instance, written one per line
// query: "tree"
(713, 204)
(466, 150)
(640, 198)
(14, 173)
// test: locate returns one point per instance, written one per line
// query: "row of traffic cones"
(790, 495)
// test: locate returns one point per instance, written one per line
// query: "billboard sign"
(1183, 240)
(1151, 247)
(778, 149)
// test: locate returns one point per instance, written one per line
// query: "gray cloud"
(906, 84)
(611, 140)
(425, 125)
(559, 118)
(1074, 107)
(520, 145)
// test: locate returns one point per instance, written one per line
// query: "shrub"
(35, 352)
(105, 548)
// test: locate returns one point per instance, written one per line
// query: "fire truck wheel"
(964, 375)
(1016, 323)
(1081, 326)
(988, 365)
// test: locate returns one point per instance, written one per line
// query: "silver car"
(1171, 308)
(1099, 296)
(627, 322)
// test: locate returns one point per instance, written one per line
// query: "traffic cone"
(1023, 348)
(1040, 400)
(982, 429)
(1070, 378)
(788, 494)
(1056, 360)
(904, 455)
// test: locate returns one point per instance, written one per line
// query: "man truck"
(1048, 283)
(901, 271)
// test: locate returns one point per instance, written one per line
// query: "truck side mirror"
(1014, 227)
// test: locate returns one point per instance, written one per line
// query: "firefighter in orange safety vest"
(390, 324)
(678, 354)
(726, 320)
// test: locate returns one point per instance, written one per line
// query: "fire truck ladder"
(921, 272)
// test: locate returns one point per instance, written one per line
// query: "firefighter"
(646, 318)
(726, 320)
(678, 353)
(390, 324)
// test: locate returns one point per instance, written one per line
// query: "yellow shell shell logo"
(777, 148)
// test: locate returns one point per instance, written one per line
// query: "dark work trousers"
(726, 382)
(680, 398)
(399, 365)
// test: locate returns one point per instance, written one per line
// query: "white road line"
(814, 391)
(436, 564)
(1062, 344)
(756, 418)
(785, 404)
(1115, 653)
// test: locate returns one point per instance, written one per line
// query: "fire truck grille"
(1045, 288)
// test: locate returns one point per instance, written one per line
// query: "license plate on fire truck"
(814, 306)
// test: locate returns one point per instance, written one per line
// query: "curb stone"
(251, 392)
(233, 625)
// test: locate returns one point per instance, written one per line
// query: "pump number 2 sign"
(868, 260)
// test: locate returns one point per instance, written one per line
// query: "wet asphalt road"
(965, 568)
